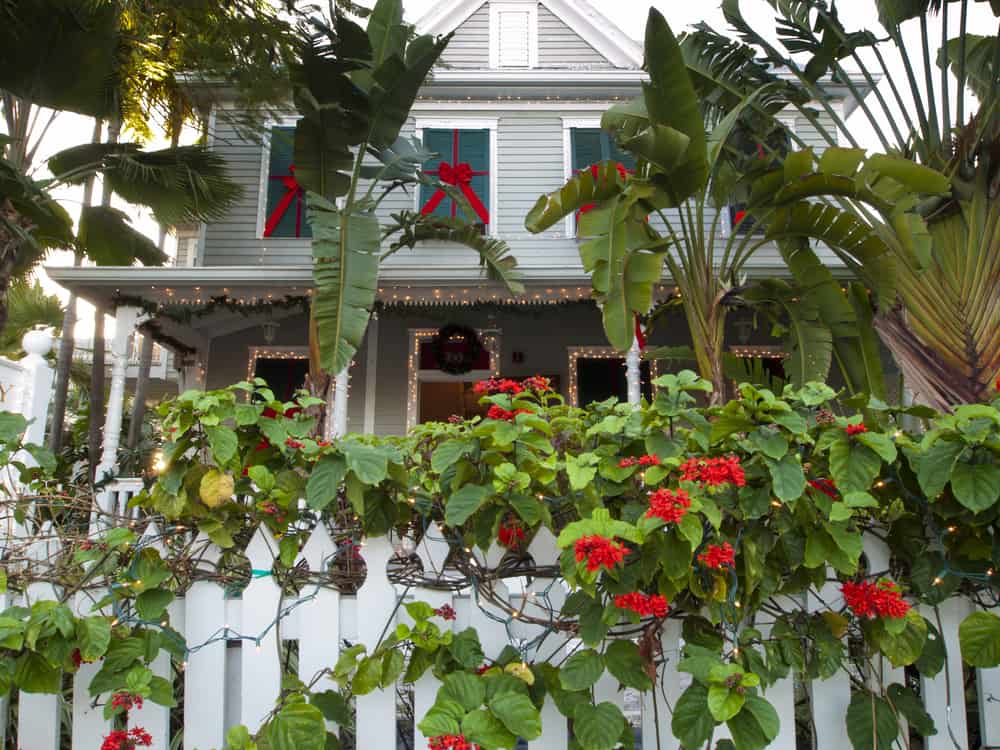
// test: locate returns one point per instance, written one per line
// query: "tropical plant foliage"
(354, 88)
(732, 514)
(933, 257)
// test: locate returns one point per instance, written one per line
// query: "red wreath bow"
(293, 192)
(461, 176)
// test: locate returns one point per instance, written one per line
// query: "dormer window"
(514, 34)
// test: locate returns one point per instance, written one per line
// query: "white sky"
(629, 15)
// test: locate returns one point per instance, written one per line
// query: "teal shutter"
(293, 215)
(455, 147)
(593, 145)
(441, 142)
(474, 150)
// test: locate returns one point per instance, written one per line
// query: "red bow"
(640, 334)
(293, 191)
(595, 170)
(460, 175)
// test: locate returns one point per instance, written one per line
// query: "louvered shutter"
(456, 147)
(587, 149)
(474, 150)
(514, 41)
(285, 210)
(441, 143)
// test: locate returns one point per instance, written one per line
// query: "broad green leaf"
(469, 691)
(692, 723)
(150, 605)
(34, 674)
(724, 702)
(94, 634)
(979, 639)
(771, 443)
(904, 648)
(463, 503)
(518, 714)
(466, 649)
(871, 724)
(853, 466)
(108, 238)
(756, 725)
(334, 706)
(598, 727)
(223, 442)
(936, 465)
(787, 478)
(908, 703)
(590, 186)
(976, 486)
(444, 717)
(368, 462)
(625, 663)
(581, 670)
(324, 481)
(448, 453)
(298, 726)
(487, 731)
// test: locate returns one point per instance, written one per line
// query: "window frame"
(573, 353)
(516, 6)
(466, 123)
(284, 121)
(569, 124)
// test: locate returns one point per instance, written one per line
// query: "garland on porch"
(711, 517)
(185, 313)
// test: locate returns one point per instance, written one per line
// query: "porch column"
(192, 374)
(341, 385)
(126, 320)
(633, 373)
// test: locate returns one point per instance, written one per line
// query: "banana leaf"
(345, 271)
(106, 237)
(590, 186)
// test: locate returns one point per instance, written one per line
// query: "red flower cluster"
(78, 659)
(445, 612)
(669, 505)
(856, 429)
(294, 444)
(826, 486)
(717, 555)
(483, 669)
(880, 599)
(126, 701)
(650, 459)
(643, 604)
(599, 552)
(496, 385)
(498, 412)
(450, 742)
(455, 419)
(538, 384)
(511, 534)
(263, 445)
(122, 740)
(290, 412)
(713, 471)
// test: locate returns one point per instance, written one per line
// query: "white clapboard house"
(517, 97)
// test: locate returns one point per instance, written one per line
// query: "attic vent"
(513, 34)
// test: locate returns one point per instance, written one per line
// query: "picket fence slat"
(229, 685)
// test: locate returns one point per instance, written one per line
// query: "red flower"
(496, 385)
(269, 413)
(871, 600)
(323, 443)
(713, 471)
(78, 659)
(826, 486)
(126, 701)
(122, 740)
(643, 604)
(499, 413)
(292, 411)
(716, 556)
(856, 429)
(294, 444)
(449, 742)
(269, 508)
(538, 384)
(86, 545)
(599, 552)
(483, 669)
(511, 534)
(669, 505)
(647, 460)
(455, 419)
(263, 445)
(445, 612)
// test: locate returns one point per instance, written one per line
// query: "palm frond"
(495, 256)
(28, 307)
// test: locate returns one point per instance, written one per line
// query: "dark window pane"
(600, 379)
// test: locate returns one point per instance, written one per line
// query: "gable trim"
(593, 27)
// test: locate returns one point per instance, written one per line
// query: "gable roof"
(592, 26)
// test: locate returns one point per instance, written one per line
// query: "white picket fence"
(235, 677)
(26, 385)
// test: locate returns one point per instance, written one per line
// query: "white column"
(192, 373)
(371, 373)
(337, 420)
(633, 375)
(36, 390)
(126, 320)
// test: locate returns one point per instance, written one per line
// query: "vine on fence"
(722, 518)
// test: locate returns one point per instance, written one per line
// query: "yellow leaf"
(216, 488)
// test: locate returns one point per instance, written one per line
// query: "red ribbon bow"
(595, 170)
(461, 176)
(293, 192)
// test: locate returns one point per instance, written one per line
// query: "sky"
(629, 15)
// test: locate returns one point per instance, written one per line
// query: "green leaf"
(581, 470)
(881, 444)
(466, 649)
(853, 466)
(870, 718)
(692, 723)
(108, 239)
(151, 604)
(333, 705)
(12, 426)
(598, 727)
(298, 726)
(392, 667)
(908, 703)
(94, 634)
(625, 663)
(34, 674)
(467, 690)
(724, 702)
(582, 189)
(936, 465)
(581, 670)
(368, 676)
(444, 717)
(518, 714)
(787, 478)
(368, 462)
(223, 442)
(448, 453)
(771, 443)
(976, 486)
(486, 730)
(979, 639)
(324, 481)
(756, 726)
(345, 272)
(465, 502)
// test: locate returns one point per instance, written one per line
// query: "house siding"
(470, 45)
(561, 47)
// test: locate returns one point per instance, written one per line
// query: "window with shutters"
(514, 34)
(592, 146)
(757, 153)
(462, 161)
(284, 205)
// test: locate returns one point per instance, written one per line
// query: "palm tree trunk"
(67, 341)
(141, 389)
(95, 428)
(706, 320)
